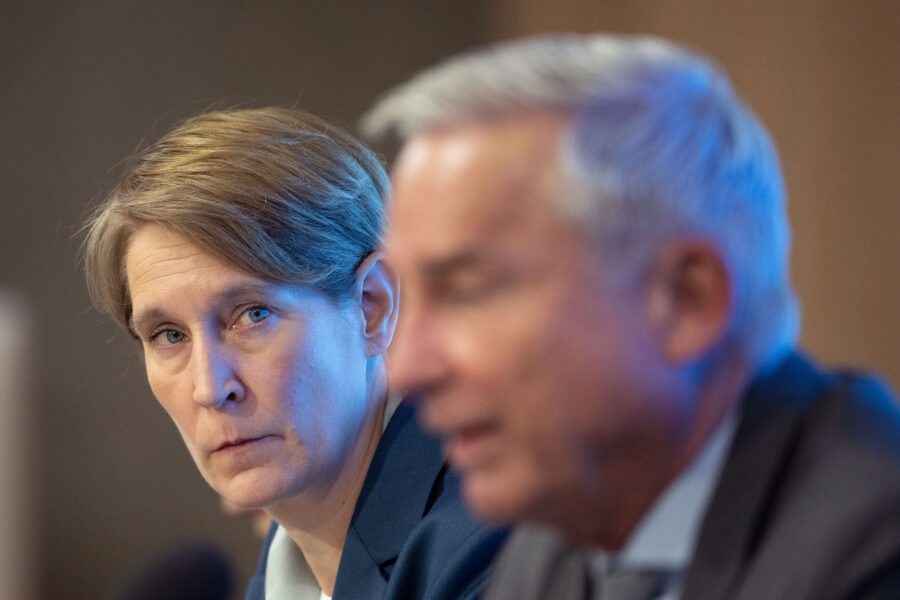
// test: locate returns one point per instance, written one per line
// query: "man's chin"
(497, 500)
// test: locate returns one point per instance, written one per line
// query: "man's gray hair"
(658, 145)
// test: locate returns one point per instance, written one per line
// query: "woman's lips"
(240, 444)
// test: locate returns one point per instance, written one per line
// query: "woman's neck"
(318, 520)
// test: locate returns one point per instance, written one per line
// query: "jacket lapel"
(538, 563)
(770, 427)
(394, 497)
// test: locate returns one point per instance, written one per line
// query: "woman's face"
(266, 382)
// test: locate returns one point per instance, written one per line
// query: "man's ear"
(690, 299)
(377, 294)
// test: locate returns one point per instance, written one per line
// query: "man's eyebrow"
(154, 313)
(446, 266)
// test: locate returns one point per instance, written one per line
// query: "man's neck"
(647, 478)
(719, 396)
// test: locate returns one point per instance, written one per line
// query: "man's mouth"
(471, 445)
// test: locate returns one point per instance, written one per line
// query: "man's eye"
(466, 294)
(469, 290)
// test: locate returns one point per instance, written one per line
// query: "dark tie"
(538, 564)
(632, 584)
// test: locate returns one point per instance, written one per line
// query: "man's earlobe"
(691, 299)
(377, 295)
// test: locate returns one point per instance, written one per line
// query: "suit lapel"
(773, 410)
(256, 587)
(538, 563)
(394, 497)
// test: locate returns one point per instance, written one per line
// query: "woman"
(240, 251)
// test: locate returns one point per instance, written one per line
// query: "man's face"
(537, 376)
(266, 382)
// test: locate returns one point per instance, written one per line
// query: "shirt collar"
(666, 535)
(287, 573)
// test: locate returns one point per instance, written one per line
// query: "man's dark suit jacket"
(410, 537)
(807, 506)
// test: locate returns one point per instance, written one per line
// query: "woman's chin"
(251, 491)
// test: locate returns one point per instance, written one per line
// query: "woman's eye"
(255, 314)
(170, 336)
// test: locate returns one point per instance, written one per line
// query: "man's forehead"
(519, 139)
(471, 180)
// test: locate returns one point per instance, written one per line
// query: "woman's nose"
(215, 379)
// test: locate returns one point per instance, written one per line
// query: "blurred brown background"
(108, 484)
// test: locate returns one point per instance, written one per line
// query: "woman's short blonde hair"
(278, 193)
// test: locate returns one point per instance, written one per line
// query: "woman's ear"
(691, 299)
(377, 294)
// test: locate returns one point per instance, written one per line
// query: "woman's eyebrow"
(138, 321)
(243, 289)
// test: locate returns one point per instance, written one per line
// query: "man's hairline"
(570, 181)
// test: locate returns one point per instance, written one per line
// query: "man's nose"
(415, 361)
(215, 379)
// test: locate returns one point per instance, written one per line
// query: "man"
(592, 237)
